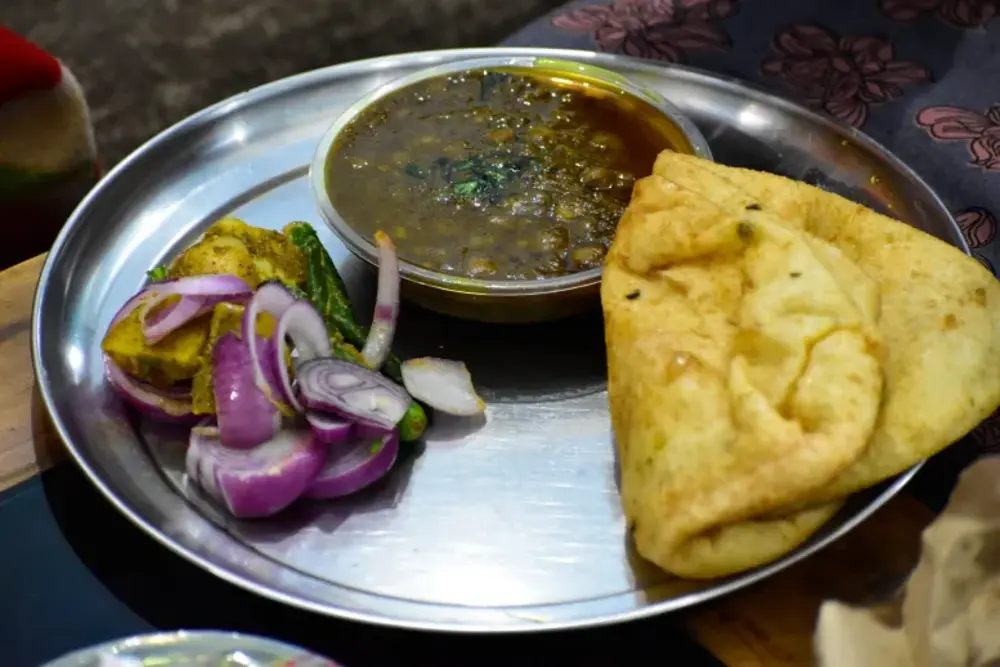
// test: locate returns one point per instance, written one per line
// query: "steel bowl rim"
(178, 640)
(366, 250)
(313, 77)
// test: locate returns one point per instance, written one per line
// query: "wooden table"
(768, 625)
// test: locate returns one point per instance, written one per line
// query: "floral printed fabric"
(844, 76)
(661, 29)
(980, 130)
(922, 77)
(956, 13)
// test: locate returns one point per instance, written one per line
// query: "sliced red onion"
(274, 299)
(258, 482)
(199, 294)
(213, 284)
(247, 417)
(270, 370)
(379, 341)
(160, 404)
(157, 327)
(305, 326)
(129, 306)
(442, 384)
(327, 428)
(365, 397)
(352, 467)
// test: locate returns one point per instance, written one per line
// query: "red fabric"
(24, 67)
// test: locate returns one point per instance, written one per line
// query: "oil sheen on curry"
(500, 174)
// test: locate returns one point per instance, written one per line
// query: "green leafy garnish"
(482, 176)
(415, 171)
(468, 188)
(158, 273)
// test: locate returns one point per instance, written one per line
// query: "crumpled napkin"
(948, 613)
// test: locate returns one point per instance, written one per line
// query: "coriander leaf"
(158, 273)
(414, 171)
(467, 188)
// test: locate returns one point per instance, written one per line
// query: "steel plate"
(511, 525)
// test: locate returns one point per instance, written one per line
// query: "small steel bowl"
(200, 647)
(491, 300)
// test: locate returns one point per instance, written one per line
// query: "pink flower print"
(844, 76)
(658, 29)
(979, 227)
(961, 14)
(982, 131)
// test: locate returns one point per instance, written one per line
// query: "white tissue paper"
(948, 613)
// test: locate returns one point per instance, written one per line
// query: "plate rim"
(429, 57)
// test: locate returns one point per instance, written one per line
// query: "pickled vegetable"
(327, 292)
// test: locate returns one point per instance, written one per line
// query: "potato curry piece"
(231, 246)
(175, 358)
(499, 175)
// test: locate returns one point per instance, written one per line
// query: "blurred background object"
(47, 154)
(146, 64)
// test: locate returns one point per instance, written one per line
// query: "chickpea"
(554, 238)
(605, 141)
(588, 227)
(624, 181)
(501, 136)
(598, 178)
(563, 153)
(569, 208)
(522, 205)
(541, 136)
(552, 264)
(430, 256)
(481, 266)
(586, 256)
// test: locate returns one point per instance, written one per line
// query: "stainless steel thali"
(514, 526)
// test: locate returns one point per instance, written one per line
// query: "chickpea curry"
(499, 174)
